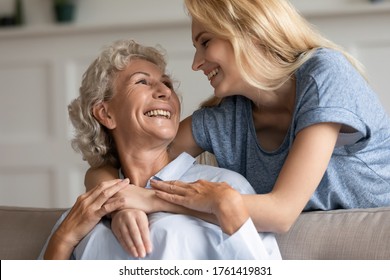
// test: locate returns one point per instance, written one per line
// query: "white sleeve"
(247, 243)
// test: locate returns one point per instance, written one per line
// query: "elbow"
(285, 216)
(283, 228)
(282, 225)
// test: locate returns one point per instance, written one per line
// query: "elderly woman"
(127, 114)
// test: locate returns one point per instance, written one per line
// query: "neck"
(281, 99)
(140, 165)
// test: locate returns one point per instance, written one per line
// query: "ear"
(100, 112)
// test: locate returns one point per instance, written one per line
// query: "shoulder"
(329, 73)
(329, 57)
(325, 63)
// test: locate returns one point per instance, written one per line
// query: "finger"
(94, 192)
(105, 185)
(172, 198)
(136, 238)
(90, 196)
(143, 225)
(172, 187)
(103, 194)
(113, 204)
(127, 243)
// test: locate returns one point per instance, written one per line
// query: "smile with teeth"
(159, 113)
(213, 73)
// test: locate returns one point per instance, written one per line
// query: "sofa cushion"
(339, 234)
(23, 231)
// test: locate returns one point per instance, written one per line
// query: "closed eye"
(142, 81)
(205, 42)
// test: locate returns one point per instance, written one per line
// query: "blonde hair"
(91, 138)
(268, 37)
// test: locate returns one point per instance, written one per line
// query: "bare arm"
(95, 176)
(129, 225)
(89, 208)
(137, 198)
(216, 199)
(184, 141)
(302, 171)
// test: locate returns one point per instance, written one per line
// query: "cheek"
(126, 113)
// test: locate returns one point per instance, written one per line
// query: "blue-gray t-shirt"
(328, 89)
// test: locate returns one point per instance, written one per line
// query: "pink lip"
(210, 69)
(207, 72)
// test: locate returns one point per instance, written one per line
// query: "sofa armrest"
(339, 234)
(24, 231)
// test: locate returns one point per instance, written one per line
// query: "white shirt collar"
(173, 171)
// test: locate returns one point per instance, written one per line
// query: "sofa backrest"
(338, 234)
(23, 231)
(353, 234)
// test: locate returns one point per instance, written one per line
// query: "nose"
(198, 61)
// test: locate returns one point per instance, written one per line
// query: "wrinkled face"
(215, 57)
(145, 108)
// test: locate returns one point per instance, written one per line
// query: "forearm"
(230, 215)
(58, 249)
(270, 214)
(298, 179)
(164, 206)
(218, 202)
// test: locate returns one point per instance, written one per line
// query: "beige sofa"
(338, 234)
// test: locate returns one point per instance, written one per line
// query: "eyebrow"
(139, 72)
(146, 74)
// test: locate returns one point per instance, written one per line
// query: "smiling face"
(215, 57)
(144, 110)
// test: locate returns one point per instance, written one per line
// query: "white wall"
(39, 12)
(41, 66)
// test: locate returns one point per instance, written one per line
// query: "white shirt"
(176, 236)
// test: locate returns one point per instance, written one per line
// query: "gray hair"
(91, 138)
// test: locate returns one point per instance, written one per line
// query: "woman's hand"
(203, 196)
(135, 197)
(145, 199)
(131, 228)
(217, 198)
(89, 208)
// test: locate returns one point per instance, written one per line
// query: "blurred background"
(44, 50)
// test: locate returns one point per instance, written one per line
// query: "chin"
(167, 134)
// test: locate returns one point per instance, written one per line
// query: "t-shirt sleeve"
(212, 128)
(199, 129)
(330, 93)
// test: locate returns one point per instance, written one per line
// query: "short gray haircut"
(92, 139)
